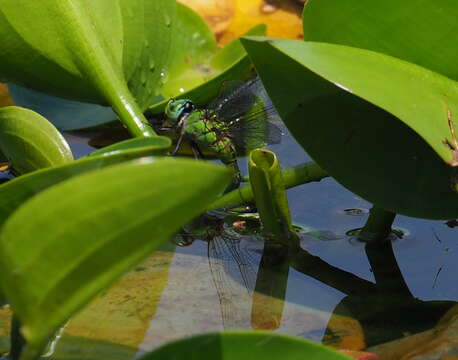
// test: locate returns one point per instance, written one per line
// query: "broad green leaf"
(15, 192)
(157, 145)
(30, 142)
(235, 345)
(319, 88)
(97, 51)
(198, 67)
(193, 43)
(91, 229)
(414, 30)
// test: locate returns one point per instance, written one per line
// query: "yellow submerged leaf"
(5, 99)
(217, 13)
(230, 19)
(123, 313)
(283, 19)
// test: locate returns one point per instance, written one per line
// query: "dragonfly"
(240, 119)
(232, 247)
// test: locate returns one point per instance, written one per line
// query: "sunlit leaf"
(198, 67)
(97, 51)
(157, 145)
(90, 230)
(29, 141)
(413, 30)
(386, 154)
(18, 190)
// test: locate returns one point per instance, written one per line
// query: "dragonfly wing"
(255, 129)
(248, 113)
(234, 276)
(235, 98)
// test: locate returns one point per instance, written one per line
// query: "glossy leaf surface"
(157, 145)
(93, 51)
(236, 345)
(91, 229)
(18, 190)
(414, 30)
(30, 142)
(198, 67)
(318, 89)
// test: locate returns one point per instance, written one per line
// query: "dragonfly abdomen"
(212, 137)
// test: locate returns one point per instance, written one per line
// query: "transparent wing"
(250, 116)
(234, 275)
(234, 99)
(256, 129)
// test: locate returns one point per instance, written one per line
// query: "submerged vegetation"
(374, 113)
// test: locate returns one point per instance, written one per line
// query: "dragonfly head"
(177, 109)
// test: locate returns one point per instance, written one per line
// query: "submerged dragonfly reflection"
(242, 266)
(234, 251)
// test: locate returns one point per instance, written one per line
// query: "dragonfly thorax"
(176, 110)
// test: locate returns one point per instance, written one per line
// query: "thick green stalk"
(262, 166)
(96, 65)
(131, 116)
(296, 175)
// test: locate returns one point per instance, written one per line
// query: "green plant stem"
(132, 117)
(378, 225)
(96, 65)
(265, 180)
(296, 175)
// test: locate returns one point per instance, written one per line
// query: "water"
(330, 294)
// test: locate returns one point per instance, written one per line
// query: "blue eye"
(175, 109)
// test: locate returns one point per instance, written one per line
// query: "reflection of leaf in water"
(234, 275)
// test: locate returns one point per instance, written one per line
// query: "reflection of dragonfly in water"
(232, 246)
(235, 248)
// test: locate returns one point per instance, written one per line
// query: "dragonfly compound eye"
(175, 109)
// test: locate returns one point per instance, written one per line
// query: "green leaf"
(15, 192)
(235, 345)
(198, 67)
(414, 30)
(158, 145)
(96, 51)
(30, 142)
(91, 229)
(319, 88)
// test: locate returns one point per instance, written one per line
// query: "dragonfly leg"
(237, 178)
(186, 238)
(196, 150)
(179, 141)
